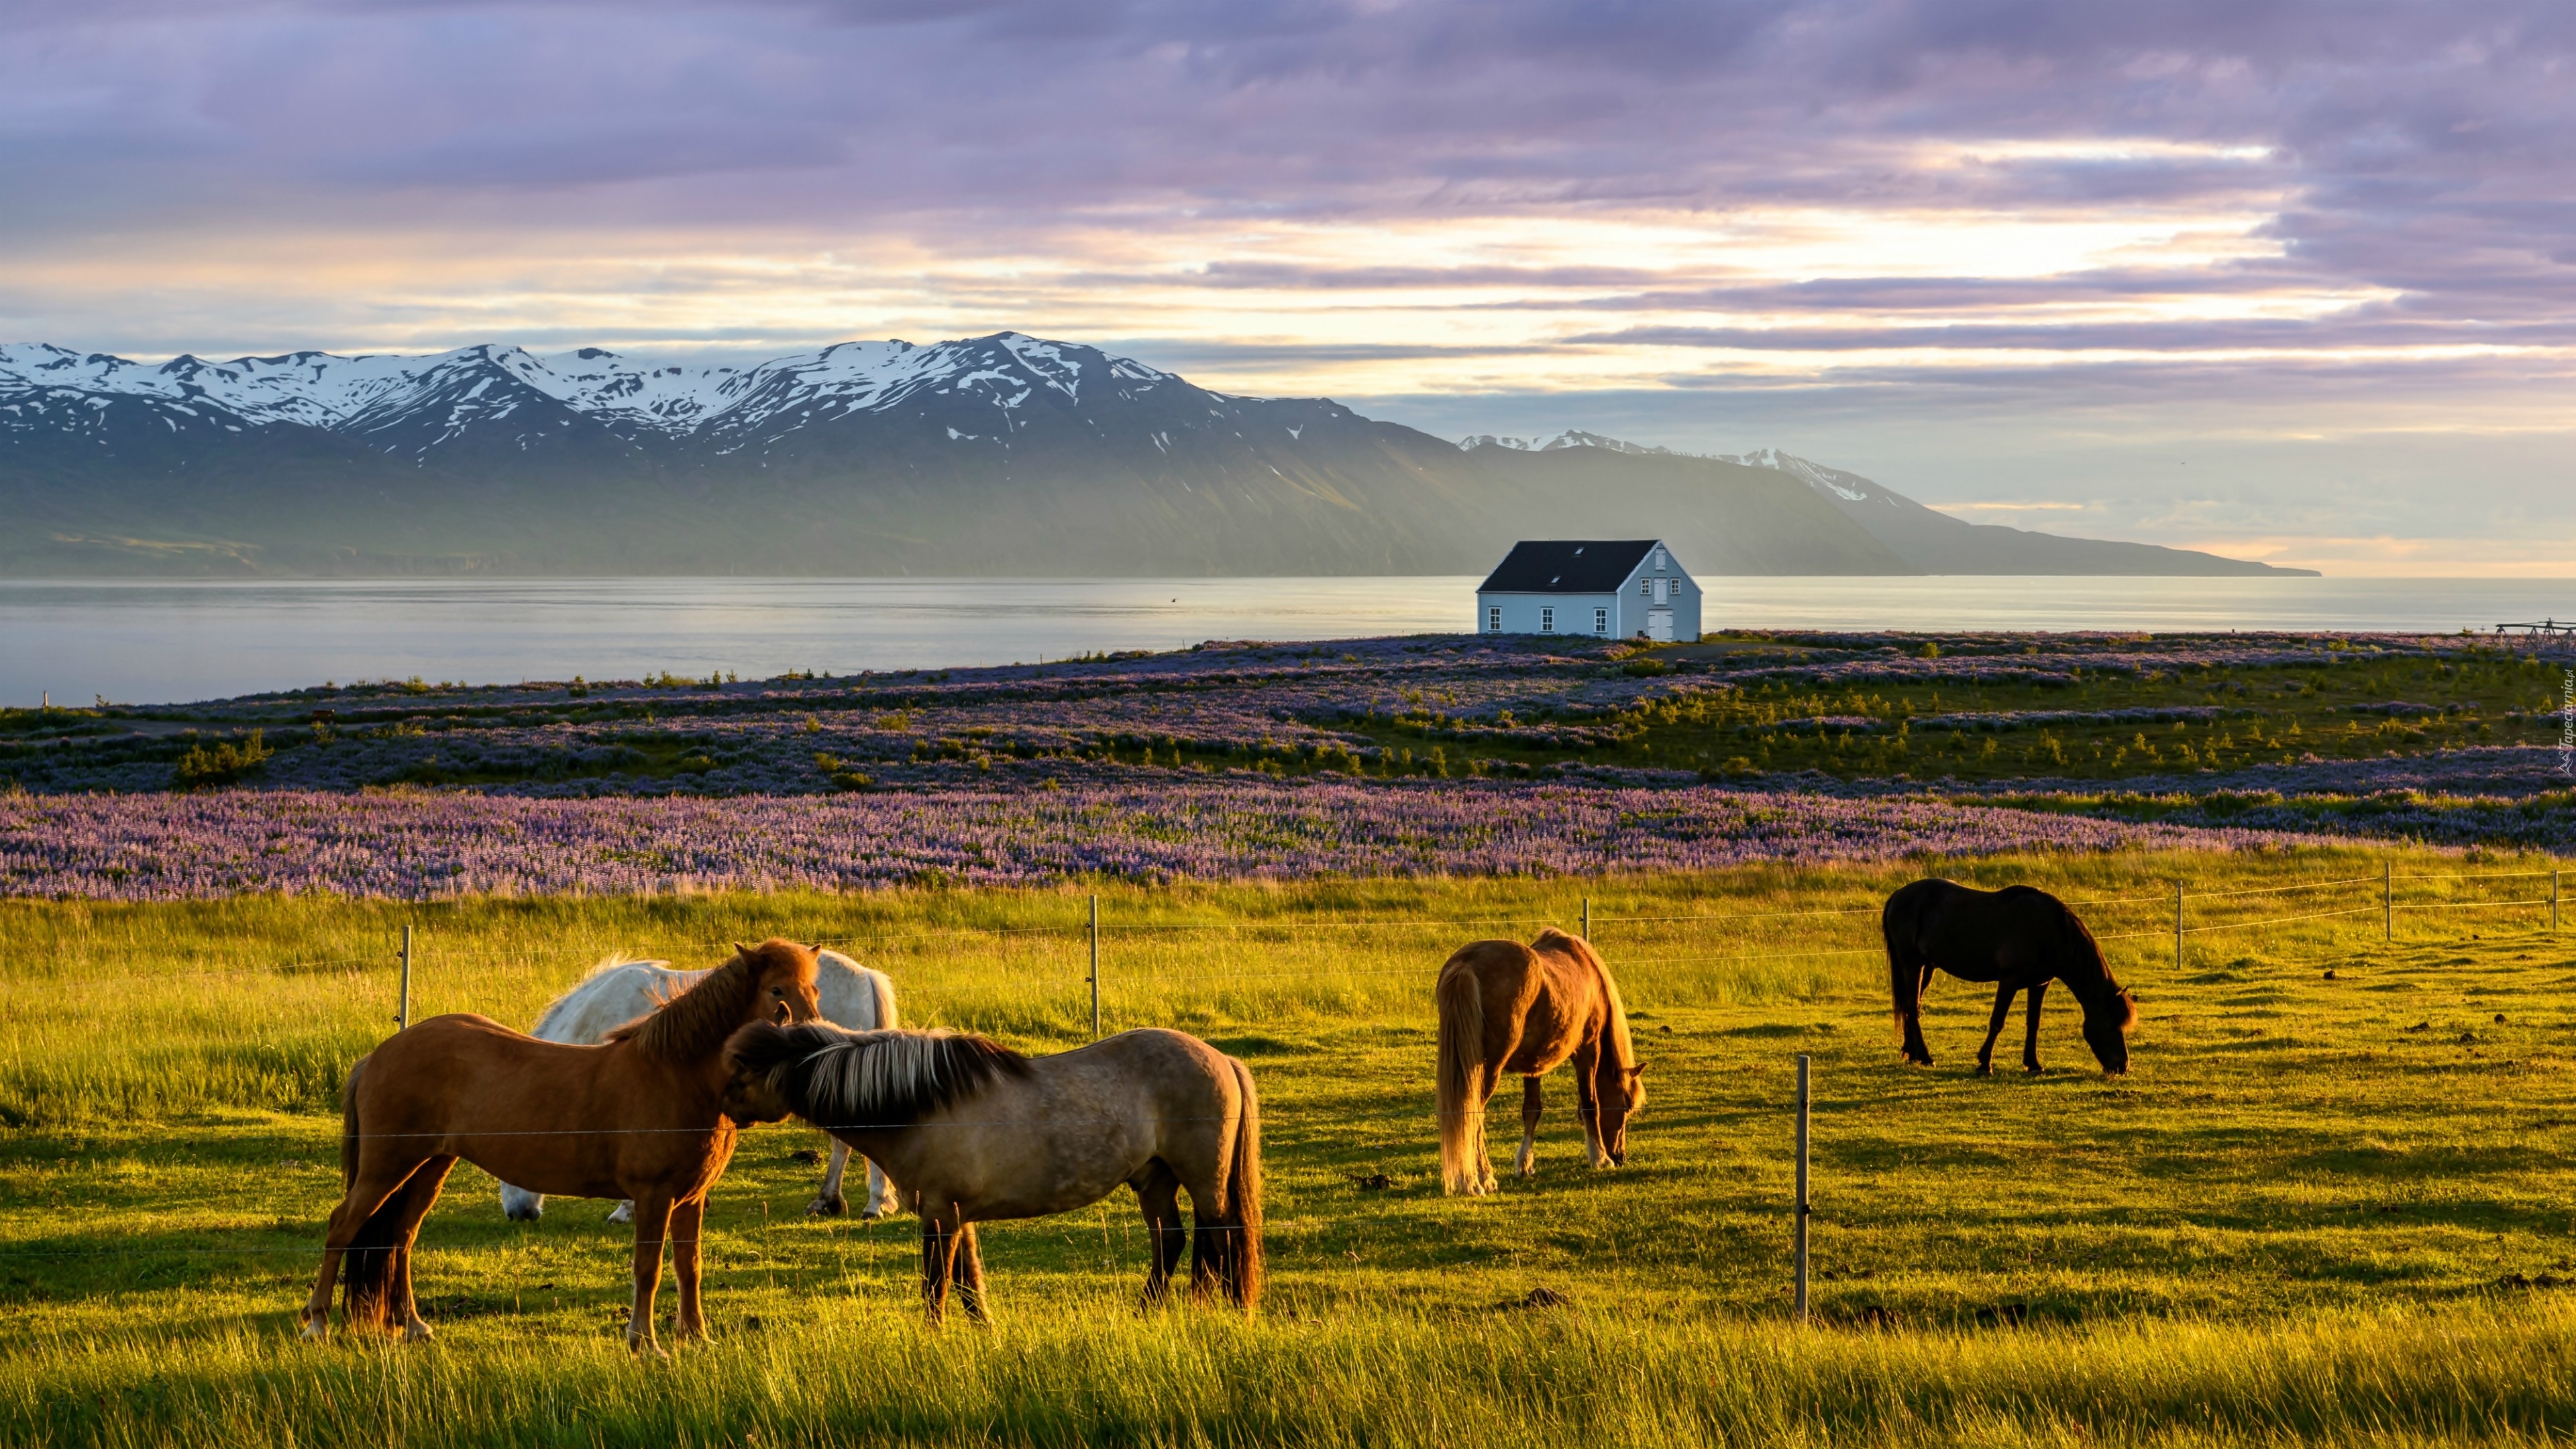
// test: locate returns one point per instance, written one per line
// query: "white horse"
(618, 991)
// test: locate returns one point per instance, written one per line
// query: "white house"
(1609, 588)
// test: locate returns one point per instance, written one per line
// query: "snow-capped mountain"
(412, 405)
(997, 454)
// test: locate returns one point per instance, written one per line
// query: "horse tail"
(367, 1265)
(1904, 960)
(1238, 1226)
(1462, 1061)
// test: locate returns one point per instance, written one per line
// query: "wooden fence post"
(402, 1009)
(1095, 968)
(1802, 1192)
(1587, 918)
(2553, 902)
(2388, 901)
(2177, 925)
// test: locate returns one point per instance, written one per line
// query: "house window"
(1645, 588)
(1659, 560)
(1601, 622)
(1547, 621)
(1494, 619)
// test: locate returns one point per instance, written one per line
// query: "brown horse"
(972, 1131)
(641, 1116)
(1506, 1007)
(2020, 938)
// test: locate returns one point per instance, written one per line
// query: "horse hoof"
(315, 1330)
(828, 1207)
(1985, 1069)
(871, 1215)
(2034, 1069)
(643, 1347)
(418, 1333)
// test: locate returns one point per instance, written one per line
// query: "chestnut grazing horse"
(972, 1131)
(1506, 1007)
(2020, 938)
(644, 1116)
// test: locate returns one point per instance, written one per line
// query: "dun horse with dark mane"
(642, 1116)
(972, 1131)
(1506, 1007)
(2021, 939)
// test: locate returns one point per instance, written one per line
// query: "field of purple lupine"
(1425, 756)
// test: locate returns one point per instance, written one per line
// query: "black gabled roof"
(1567, 566)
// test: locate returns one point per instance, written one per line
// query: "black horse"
(2018, 937)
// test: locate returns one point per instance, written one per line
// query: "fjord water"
(154, 642)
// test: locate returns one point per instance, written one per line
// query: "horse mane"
(1614, 1032)
(2079, 939)
(694, 1024)
(839, 1078)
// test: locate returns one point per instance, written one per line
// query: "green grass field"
(2319, 1210)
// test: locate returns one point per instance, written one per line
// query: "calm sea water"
(159, 642)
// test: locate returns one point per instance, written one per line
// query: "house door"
(1659, 625)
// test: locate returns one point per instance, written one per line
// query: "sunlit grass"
(2306, 1216)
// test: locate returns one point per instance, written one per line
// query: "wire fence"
(1699, 936)
(1606, 931)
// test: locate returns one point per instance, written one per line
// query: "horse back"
(1978, 935)
(849, 994)
(1541, 1003)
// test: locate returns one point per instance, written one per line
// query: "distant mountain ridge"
(997, 454)
(1928, 540)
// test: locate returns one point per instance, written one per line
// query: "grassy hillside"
(2323, 1208)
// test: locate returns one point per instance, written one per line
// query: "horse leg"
(1906, 981)
(2005, 991)
(624, 1212)
(520, 1205)
(828, 1201)
(966, 1274)
(1587, 1102)
(2030, 1039)
(1159, 1194)
(686, 1220)
(375, 1182)
(938, 1249)
(417, 1197)
(1532, 1104)
(882, 1199)
(652, 1225)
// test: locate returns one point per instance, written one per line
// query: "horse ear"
(740, 949)
(1638, 1070)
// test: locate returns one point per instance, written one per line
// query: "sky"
(2293, 281)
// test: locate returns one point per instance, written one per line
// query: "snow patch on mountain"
(1570, 438)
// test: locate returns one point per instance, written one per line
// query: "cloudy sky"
(2289, 280)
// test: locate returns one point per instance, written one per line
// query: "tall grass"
(2308, 1216)
(2486, 1374)
(108, 1012)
